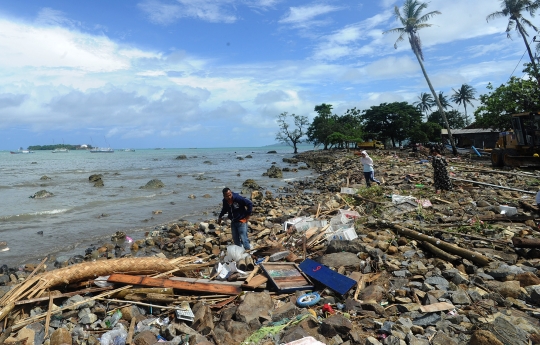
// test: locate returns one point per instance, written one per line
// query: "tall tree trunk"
(441, 110)
(537, 76)
(466, 117)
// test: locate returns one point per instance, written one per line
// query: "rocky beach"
(399, 264)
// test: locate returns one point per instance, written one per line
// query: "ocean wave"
(28, 216)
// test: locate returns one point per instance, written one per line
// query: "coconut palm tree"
(513, 9)
(444, 100)
(425, 103)
(465, 94)
(413, 20)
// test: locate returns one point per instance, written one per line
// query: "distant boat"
(21, 151)
(128, 150)
(102, 150)
(60, 150)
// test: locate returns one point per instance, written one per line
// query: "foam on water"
(80, 214)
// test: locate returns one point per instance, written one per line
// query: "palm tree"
(412, 21)
(444, 101)
(465, 94)
(425, 103)
(513, 10)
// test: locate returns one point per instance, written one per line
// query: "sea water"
(80, 215)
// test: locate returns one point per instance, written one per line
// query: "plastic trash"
(308, 299)
(328, 309)
(117, 315)
(235, 252)
(115, 336)
(102, 281)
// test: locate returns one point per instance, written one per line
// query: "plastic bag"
(235, 252)
(399, 199)
(116, 336)
(102, 281)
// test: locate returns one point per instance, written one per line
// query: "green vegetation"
(398, 122)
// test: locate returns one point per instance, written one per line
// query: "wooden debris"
(256, 281)
(441, 306)
(181, 285)
(475, 257)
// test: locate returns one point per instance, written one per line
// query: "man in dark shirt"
(239, 210)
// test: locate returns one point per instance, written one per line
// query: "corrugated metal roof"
(473, 131)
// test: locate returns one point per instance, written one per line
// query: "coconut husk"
(35, 286)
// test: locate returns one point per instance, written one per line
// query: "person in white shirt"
(368, 168)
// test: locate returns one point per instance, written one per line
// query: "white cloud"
(304, 15)
(167, 12)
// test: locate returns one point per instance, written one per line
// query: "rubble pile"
(333, 262)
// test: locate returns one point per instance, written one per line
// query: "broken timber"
(522, 242)
(493, 185)
(180, 285)
(475, 257)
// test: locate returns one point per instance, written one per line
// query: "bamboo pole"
(493, 185)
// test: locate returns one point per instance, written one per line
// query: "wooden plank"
(286, 277)
(223, 303)
(180, 285)
(204, 280)
(436, 307)
(129, 339)
(255, 270)
(335, 281)
(67, 294)
(48, 317)
(256, 281)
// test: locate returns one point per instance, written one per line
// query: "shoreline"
(78, 250)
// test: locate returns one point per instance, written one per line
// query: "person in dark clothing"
(239, 210)
(441, 179)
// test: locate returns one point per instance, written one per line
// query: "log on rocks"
(522, 242)
(188, 286)
(475, 257)
(89, 270)
(439, 252)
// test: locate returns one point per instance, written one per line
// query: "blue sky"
(216, 73)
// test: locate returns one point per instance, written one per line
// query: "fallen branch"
(475, 257)
(493, 185)
(522, 242)
(440, 253)
(430, 231)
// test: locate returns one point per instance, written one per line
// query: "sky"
(217, 73)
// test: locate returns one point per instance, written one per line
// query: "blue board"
(335, 281)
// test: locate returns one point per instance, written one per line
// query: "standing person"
(441, 179)
(368, 168)
(238, 209)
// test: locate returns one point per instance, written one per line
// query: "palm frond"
(495, 15)
(529, 24)
(427, 16)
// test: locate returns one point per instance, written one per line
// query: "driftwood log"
(475, 257)
(522, 242)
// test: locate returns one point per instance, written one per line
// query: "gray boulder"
(42, 194)
(152, 184)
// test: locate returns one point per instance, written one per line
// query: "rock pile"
(459, 267)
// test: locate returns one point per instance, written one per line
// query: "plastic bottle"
(115, 336)
(117, 315)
